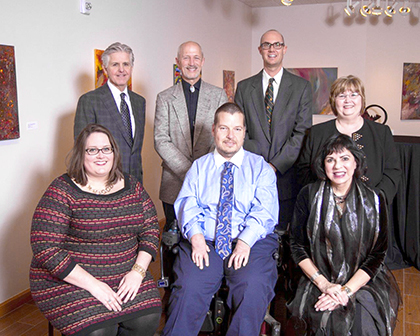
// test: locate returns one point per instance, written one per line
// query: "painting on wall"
(100, 75)
(410, 106)
(9, 119)
(177, 74)
(321, 80)
(229, 84)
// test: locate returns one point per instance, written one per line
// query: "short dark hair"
(75, 166)
(336, 144)
(230, 108)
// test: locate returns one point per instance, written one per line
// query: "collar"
(115, 91)
(236, 159)
(186, 86)
(277, 77)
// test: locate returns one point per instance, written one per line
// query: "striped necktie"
(269, 101)
(223, 241)
(125, 116)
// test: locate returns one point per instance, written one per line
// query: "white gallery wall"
(373, 49)
(54, 46)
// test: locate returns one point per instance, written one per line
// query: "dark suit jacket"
(292, 116)
(98, 106)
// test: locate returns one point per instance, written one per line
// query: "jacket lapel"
(257, 97)
(282, 100)
(180, 107)
(203, 108)
(112, 109)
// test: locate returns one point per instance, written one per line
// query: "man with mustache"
(278, 110)
(227, 210)
(183, 120)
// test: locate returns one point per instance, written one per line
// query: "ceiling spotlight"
(377, 9)
(390, 10)
(349, 9)
(365, 10)
(404, 10)
(287, 2)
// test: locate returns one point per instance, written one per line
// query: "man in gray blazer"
(114, 106)
(277, 116)
(183, 121)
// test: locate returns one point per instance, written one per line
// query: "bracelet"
(348, 291)
(316, 275)
(139, 269)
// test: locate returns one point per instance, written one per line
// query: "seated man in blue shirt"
(227, 210)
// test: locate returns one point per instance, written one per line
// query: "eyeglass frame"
(99, 150)
(280, 45)
(351, 96)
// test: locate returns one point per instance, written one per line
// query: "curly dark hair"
(336, 144)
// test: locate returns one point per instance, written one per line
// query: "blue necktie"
(125, 115)
(224, 213)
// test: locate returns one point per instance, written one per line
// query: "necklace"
(103, 191)
(340, 199)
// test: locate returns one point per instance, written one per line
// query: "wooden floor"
(27, 320)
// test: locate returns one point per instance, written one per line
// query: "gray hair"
(116, 47)
(182, 46)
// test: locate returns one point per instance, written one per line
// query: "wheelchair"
(217, 318)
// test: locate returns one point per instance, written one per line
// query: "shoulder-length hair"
(336, 144)
(76, 159)
(343, 84)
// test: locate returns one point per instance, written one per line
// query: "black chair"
(217, 318)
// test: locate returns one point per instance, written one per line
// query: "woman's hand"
(106, 296)
(129, 286)
(331, 298)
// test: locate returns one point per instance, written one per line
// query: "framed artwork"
(177, 74)
(229, 84)
(321, 80)
(410, 106)
(9, 119)
(100, 75)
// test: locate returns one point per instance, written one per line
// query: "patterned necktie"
(269, 100)
(224, 213)
(125, 116)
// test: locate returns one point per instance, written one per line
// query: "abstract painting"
(9, 119)
(177, 74)
(229, 84)
(410, 108)
(100, 75)
(321, 80)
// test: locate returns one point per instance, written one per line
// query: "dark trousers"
(169, 211)
(251, 288)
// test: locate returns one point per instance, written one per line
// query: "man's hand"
(240, 255)
(200, 251)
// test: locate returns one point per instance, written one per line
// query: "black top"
(191, 99)
(375, 140)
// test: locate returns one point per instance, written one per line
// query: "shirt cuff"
(193, 231)
(248, 236)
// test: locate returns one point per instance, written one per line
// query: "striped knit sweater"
(102, 234)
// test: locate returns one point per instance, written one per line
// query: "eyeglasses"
(275, 45)
(352, 96)
(95, 151)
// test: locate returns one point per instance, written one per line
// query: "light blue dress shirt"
(255, 208)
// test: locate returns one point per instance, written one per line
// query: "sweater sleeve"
(50, 225)
(148, 236)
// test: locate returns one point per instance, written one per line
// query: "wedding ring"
(109, 301)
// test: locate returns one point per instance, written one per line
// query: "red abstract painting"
(9, 119)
